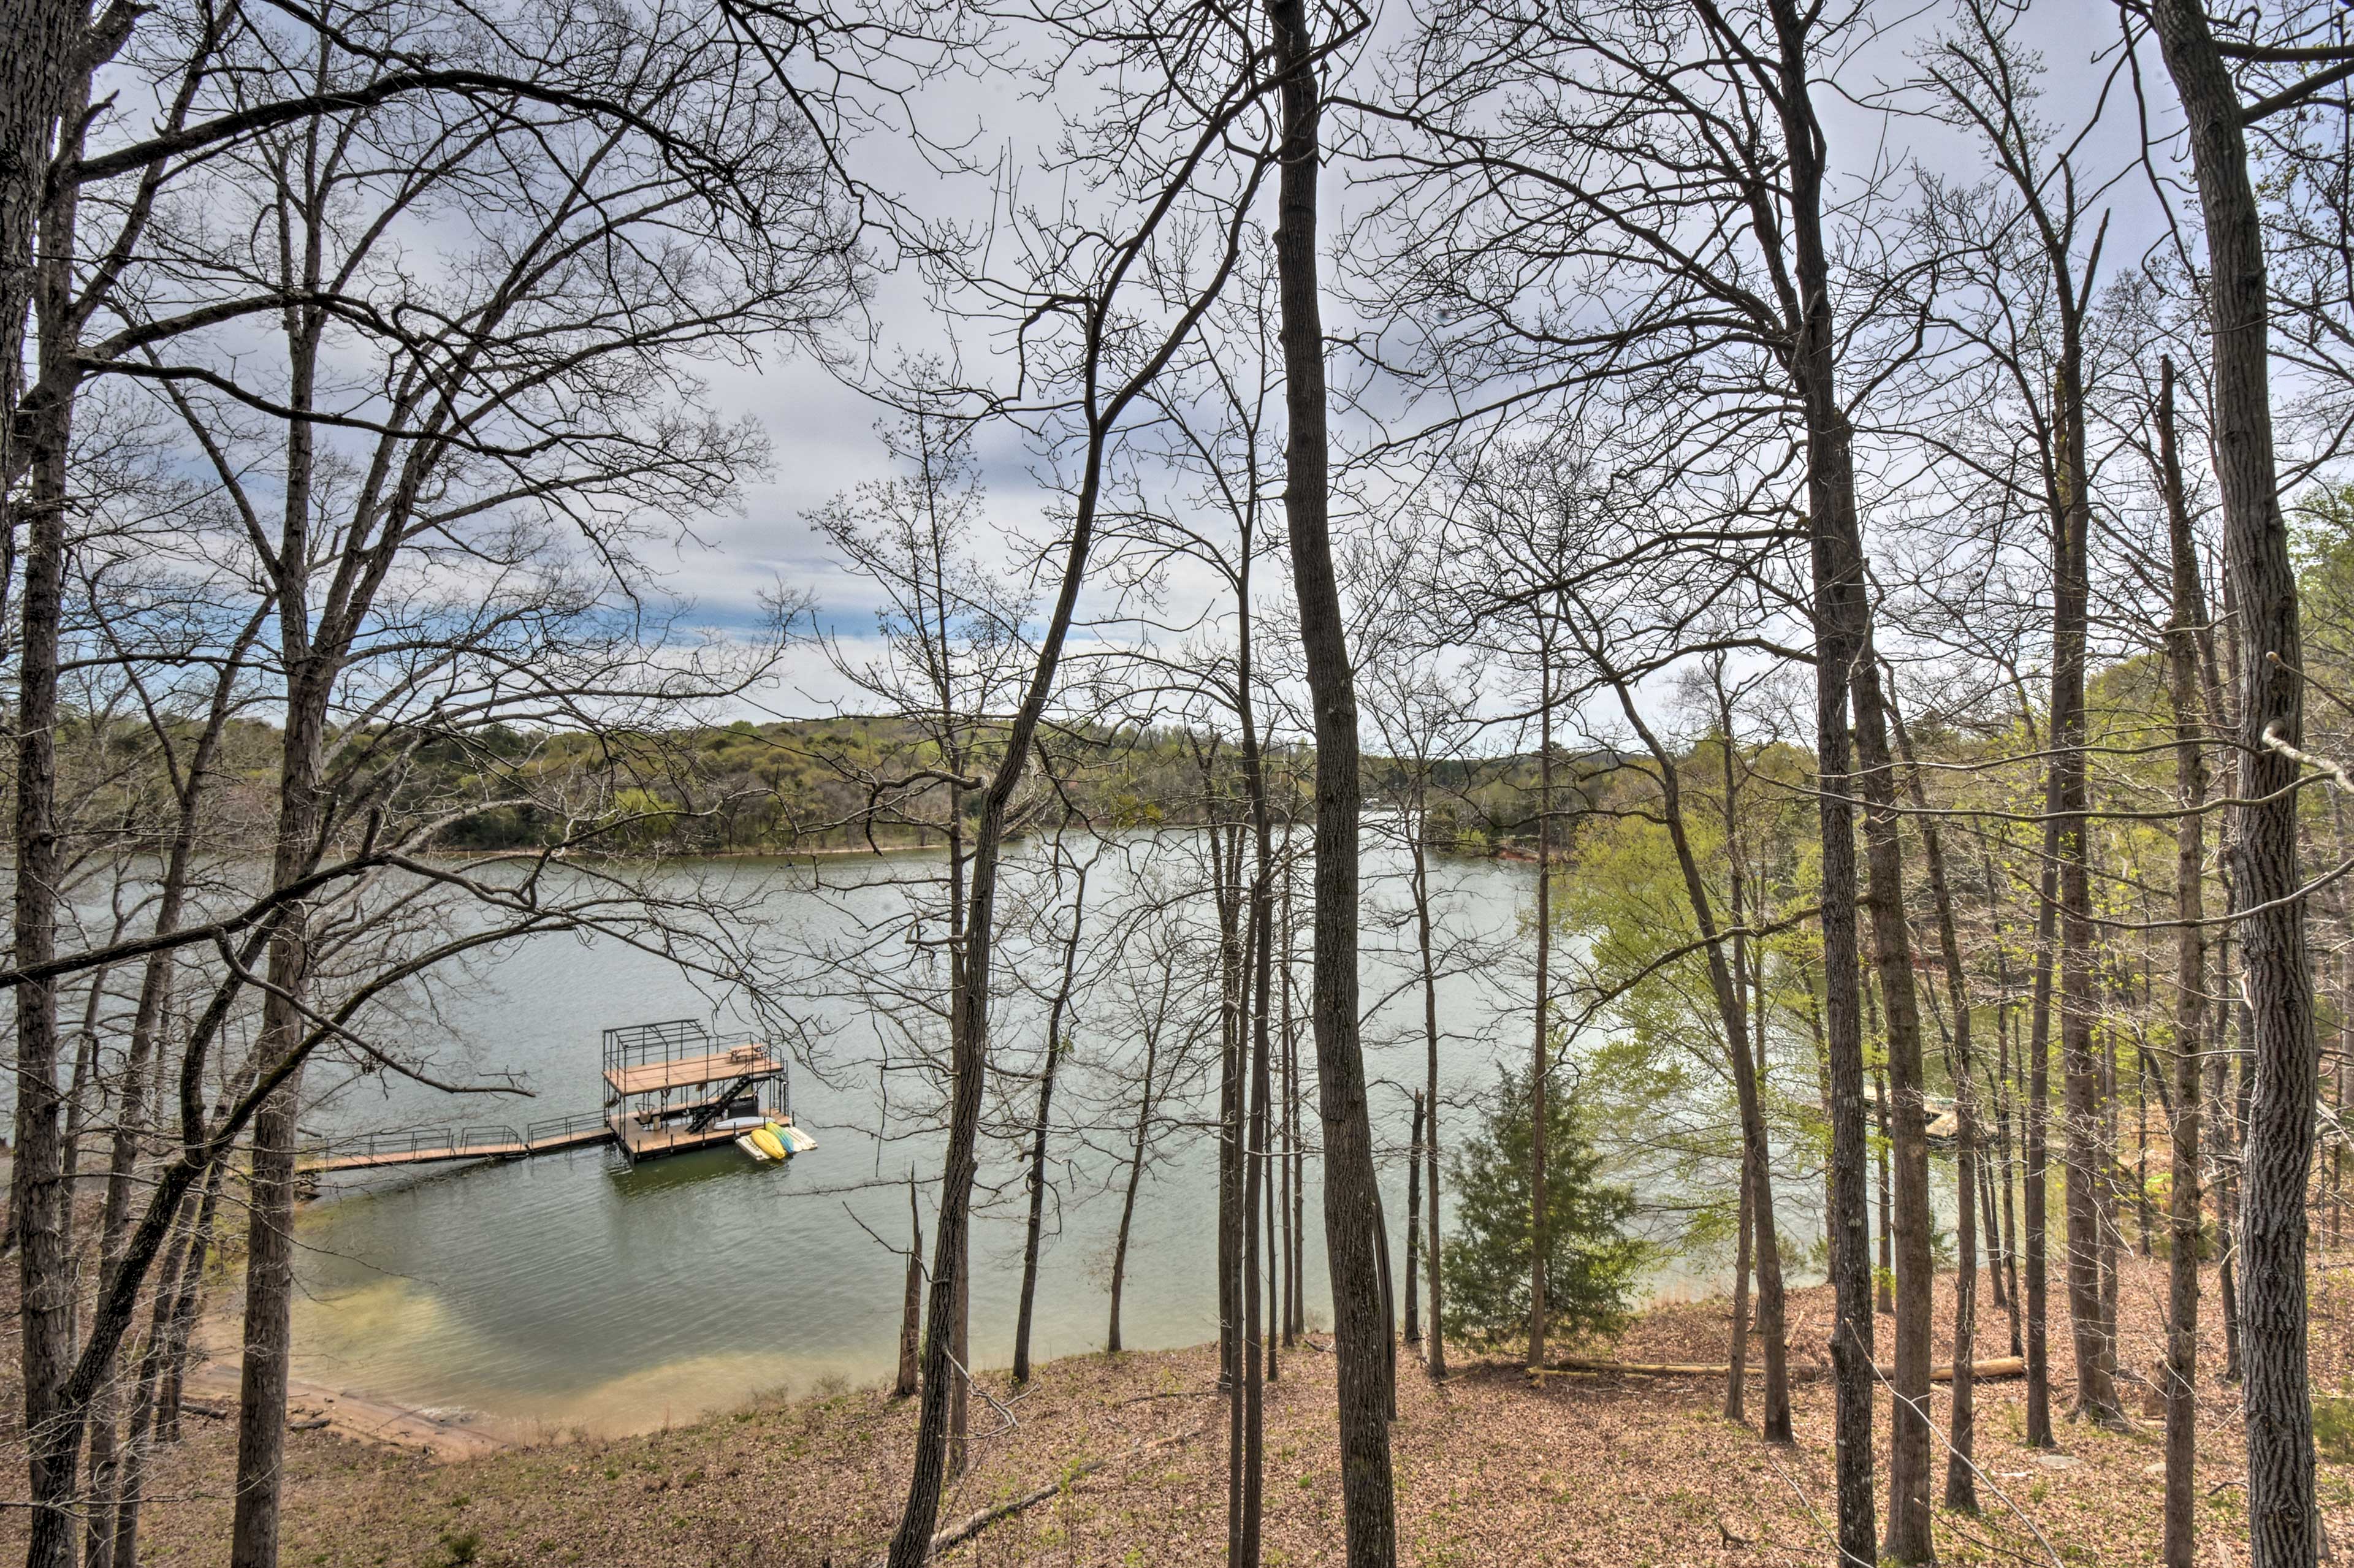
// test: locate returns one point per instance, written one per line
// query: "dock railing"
(564, 1129)
(432, 1145)
(416, 1145)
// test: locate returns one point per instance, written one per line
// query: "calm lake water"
(569, 1291)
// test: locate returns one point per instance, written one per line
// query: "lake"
(573, 1292)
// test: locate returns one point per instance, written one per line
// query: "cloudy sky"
(823, 430)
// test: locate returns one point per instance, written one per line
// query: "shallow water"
(571, 1292)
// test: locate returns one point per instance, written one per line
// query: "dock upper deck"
(750, 1061)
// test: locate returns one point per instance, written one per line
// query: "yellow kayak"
(766, 1139)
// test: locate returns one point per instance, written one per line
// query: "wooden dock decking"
(516, 1148)
(686, 1071)
(638, 1142)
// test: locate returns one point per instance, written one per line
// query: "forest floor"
(1587, 1470)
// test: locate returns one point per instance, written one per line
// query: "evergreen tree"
(1590, 1262)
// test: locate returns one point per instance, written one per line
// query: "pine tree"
(1591, 1263)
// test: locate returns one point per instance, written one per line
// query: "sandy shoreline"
(444, 1437)
(309, 1407)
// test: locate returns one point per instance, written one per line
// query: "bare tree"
(1536, 133)
(488, 447)
(1153, 1004)
(1961, 1470)
(2266, 899)
(2184, 691)
(1354, 1245)
(1084, 373)
(1428, 719)
(1058, 1012)
(1983, 84)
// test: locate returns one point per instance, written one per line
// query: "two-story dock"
(668, 1087)
(672, 1086)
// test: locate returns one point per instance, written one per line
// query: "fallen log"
(2000, 1367)
(973, 1525)
(1641, 1368)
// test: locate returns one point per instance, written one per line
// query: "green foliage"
(456, 1549)
(2333, 1427)
(1656, 1079)
(1591, 1262)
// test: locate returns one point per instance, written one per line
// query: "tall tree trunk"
(1296, 1108)
(2230, 1103)
(1736, 1370)
(1842, 618)
(1435, 1352)
(1414, 1223)
(1541, 1048)
(1352, 1235)
(2283, 1527)
(1295, 1170)
(1257, 1346)
(1128, 1198)
(1036, 1224)
(2036, 1200)
(1990, 1221)
(1254, 1199)
(944, 1309)
(2000, 1082)
(2007, 1109)
(106, 1542)
(1234, 1026)
(2225, 1131)
(1231, 1112)
(1232, 1107)
(269, 1242)
(2142, 1208)
(1907, 1539)
(56, 80)
(912, 1299)
(1286, 1152)
(2243, 1109)
(1761, 1236)
(1961, 1475)
(312, 672)
(2189, 614)
(1886, 1284)
(40, 1199)
(310, 652)
(2112, 1201)
(1275, 1259)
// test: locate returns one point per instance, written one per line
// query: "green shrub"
(457, 1550)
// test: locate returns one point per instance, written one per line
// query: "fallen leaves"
(1596, 1469)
